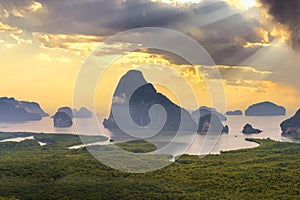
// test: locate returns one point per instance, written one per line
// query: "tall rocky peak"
(134, 93)
(131, 81)
(145, 97)
(140, 96)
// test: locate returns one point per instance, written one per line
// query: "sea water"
(231, 141)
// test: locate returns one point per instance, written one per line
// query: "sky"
(254, 44)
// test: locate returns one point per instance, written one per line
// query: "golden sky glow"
(42, 66)
(49, 66)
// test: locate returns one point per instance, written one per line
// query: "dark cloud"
(93, 17)
(219, 39)
(14, 4)
(287, 12)
(105, 17)
(136, 14)
(173, 58)
(217, 23)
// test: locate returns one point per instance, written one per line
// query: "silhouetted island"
(135, 94)
(66, 110)
(236, 112)
(265, 109)
(203, 111)
(74, 113)
(82, 113)
(212, 123)
(12, 110)
(292, 125)
(248, 129)
(62, 120)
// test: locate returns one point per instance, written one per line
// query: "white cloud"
(25, 8)
(80, 44)
(20, 40)
(35, 6)
(44, 57)
(4, 13)
(9, 46)
(48, 58)
(64, 60)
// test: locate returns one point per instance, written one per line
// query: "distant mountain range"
(138, 97)
(12, 110)
(135, 94)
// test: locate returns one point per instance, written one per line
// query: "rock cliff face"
(236, 112)
(66, 110)
(145, 97)
(64, 116)
(12, 110)
(291, 125)
(248, 129)
(135, 93)
(211, 123)
(62, 120)
(203, 111)
(265, 109)
(10, 113)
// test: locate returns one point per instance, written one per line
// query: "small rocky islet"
(63, 118)
(236, 112)
(248, 129)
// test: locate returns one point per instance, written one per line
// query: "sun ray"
(247, 4)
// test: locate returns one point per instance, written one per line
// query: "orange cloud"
(7, 28)
(25, 10)
(81, 44)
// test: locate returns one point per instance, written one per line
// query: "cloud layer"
(220, 28)
(286, 12)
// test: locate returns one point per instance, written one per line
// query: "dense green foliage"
(137, 146)
(29, 171)
(295, 135)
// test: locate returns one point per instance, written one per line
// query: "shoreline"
(105, 139)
